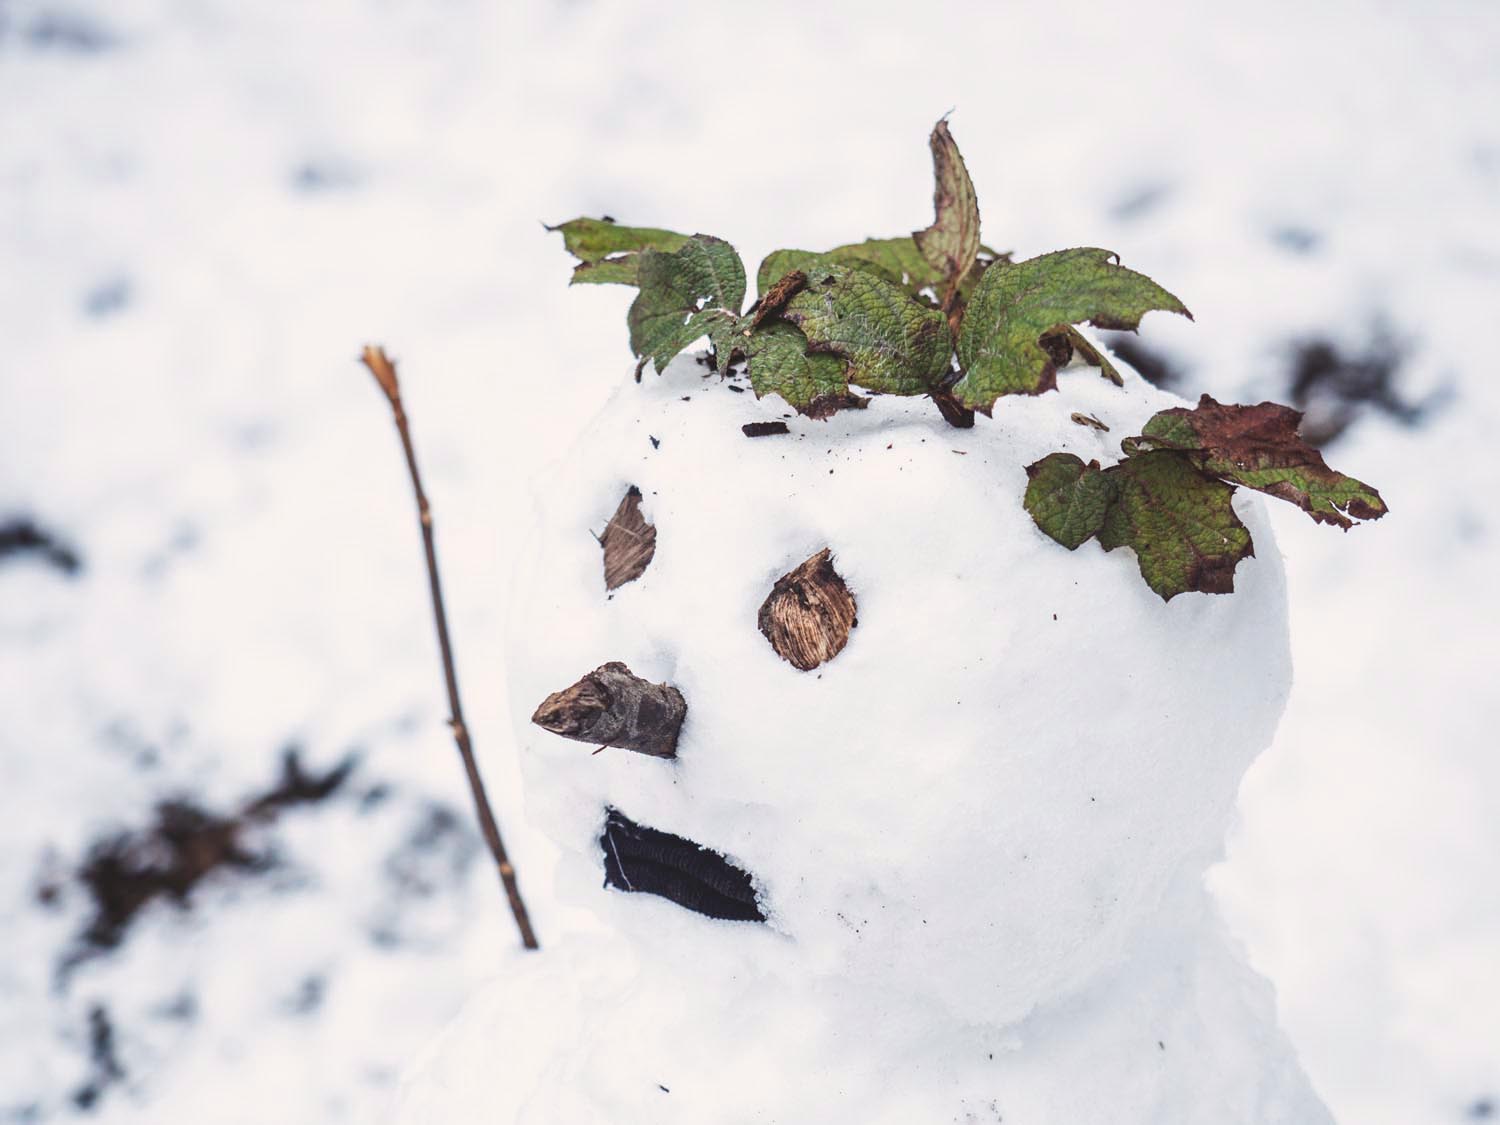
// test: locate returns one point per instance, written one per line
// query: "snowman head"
(980, 797)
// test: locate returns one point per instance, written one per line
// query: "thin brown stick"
(384, 370)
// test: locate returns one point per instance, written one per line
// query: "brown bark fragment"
(629, 542)
(777, 296)
(809, 613)
(612, 706)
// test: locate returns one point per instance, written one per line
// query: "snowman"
(884, 807)
(953, 872)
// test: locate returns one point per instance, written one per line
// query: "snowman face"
(983, 796)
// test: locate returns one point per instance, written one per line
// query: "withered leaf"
(951, 244)
(628, 542)
(1259, 447)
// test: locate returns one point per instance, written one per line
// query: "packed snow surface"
(205, 210)
(978, 832)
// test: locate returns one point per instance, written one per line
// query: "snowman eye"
(628, 542)
(808, 614)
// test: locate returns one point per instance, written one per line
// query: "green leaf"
(896, 260)
(893, 344)
(1068, 499)
(778, 362)
(1015, 304)
(950, 245)
(608, 253)
(1179, 522)
(1258, 447)
(694, 291)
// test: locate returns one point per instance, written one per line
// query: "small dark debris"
(655, 442)
(736, 388)
(764, 429)
(1159, 1044)
(1482, 1109)
(662, 1088)
(107, 298)
(103, 1059)
(20, 537)
(1088, 420)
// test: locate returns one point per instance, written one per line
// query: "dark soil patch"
(185, 844)
(21, 537)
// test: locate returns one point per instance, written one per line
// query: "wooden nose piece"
(612, 706)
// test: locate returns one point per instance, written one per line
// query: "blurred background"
(239, 880)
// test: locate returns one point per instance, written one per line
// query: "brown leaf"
(776, 298)
(629, 542)
(951, 243)
(808, 614)
(1259, 447)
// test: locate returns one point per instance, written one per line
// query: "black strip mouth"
(649, 861)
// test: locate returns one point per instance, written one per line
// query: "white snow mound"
(978, 833)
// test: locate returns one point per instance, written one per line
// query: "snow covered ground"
(205, 208)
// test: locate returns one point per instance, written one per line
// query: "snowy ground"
(205, 208)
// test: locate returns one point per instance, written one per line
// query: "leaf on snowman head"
(951, 244)
(896, 260)
(696, 290)
(892, 344)
(1179, 522)
(778, 362)
(1015, 304)
(1259, 447)
(929, 261)
(608, 253)
(1169, 499)
(1068, 499)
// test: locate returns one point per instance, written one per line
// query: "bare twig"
(384, 370)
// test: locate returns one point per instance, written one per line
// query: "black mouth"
(649, 861)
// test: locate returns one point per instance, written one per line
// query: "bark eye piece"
(648, 861)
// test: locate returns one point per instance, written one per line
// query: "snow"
(206, 209)
(963, 828)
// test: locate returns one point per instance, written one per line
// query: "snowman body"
(977, 834)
